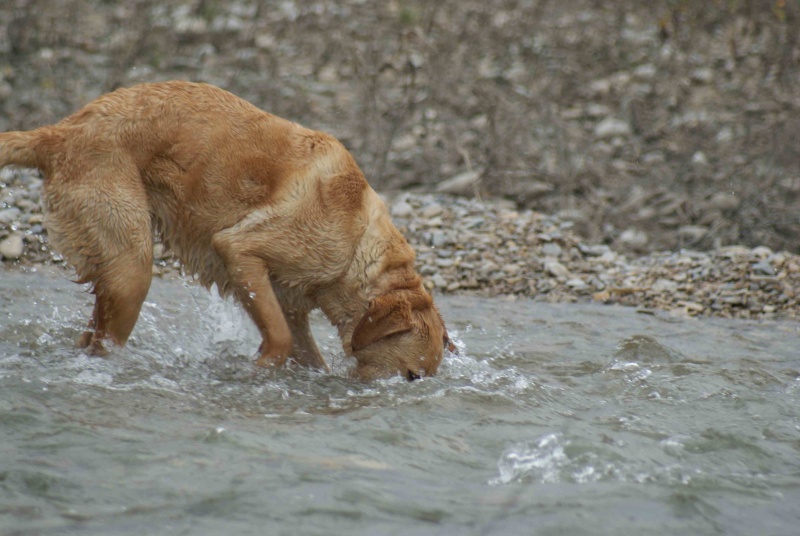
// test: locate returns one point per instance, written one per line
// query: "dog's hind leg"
(102, 226)
(119, 294)
(295, 309)
(304, 349)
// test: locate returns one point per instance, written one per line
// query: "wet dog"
(277, 215)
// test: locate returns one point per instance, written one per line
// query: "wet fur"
(277, 215)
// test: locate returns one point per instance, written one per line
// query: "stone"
(723, 201)
(432, 211)
(645, 72)
(488, 267)
(9, 215)
(330, 75)
(439, 239)
(692, 233)
(702, 75)
(455, 285)
(611, 127)
(633, 238)
(576, 283)
(439, 281)
(556, 269)
(763, 268)
(401, 209)
(593, 251)
(664, 285)
(762, 252)
(12, 247)
(428, 269)
(551, 249)
(461, 184)
(595, 110)
(699, 159)
(735, 253)
(725, 135)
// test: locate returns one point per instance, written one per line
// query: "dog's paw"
(271, 361)
(84, 340)
(93, 346)
(97, 349)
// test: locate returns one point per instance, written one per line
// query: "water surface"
(554, 419)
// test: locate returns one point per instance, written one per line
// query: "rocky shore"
(490, 248)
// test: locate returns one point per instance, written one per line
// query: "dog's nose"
(411, 375)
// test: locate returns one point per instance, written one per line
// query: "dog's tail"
(19, 149)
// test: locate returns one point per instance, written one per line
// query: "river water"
(554, 419)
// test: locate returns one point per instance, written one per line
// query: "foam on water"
(204, 339)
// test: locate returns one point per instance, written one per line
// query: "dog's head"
(401, 333)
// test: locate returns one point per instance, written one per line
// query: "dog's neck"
(382, 262)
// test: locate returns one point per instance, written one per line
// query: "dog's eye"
(411, 376)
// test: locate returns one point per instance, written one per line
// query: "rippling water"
(553, 420)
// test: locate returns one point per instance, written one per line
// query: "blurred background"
(652, 125)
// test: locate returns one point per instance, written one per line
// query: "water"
(565, 419)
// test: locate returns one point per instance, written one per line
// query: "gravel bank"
(489, 248)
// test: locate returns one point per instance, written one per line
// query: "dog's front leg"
(254, 292)
(249, 279)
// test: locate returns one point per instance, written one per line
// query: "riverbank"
(489, 248)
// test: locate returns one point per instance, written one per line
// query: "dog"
(274, 214)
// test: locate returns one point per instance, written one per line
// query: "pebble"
(633, 238)
(461, 184)
(761, 252)
(763, 268)
(703, 75)
(551, 250)
(402, 210)
(699, 159)
(576, 283)
(556, 269)
(9, 215)
(664, 285)
(439, 238)
(12, 247)
(431, 211)
(439, 281)
(611, 127)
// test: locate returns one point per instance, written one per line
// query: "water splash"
(540, 460)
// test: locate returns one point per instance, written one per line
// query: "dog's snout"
(411, 375)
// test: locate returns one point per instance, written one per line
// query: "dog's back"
(194, 158)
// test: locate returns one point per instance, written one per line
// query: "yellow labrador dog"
(274, 214)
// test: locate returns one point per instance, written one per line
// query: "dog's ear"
(388, 315)
(448, 343)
